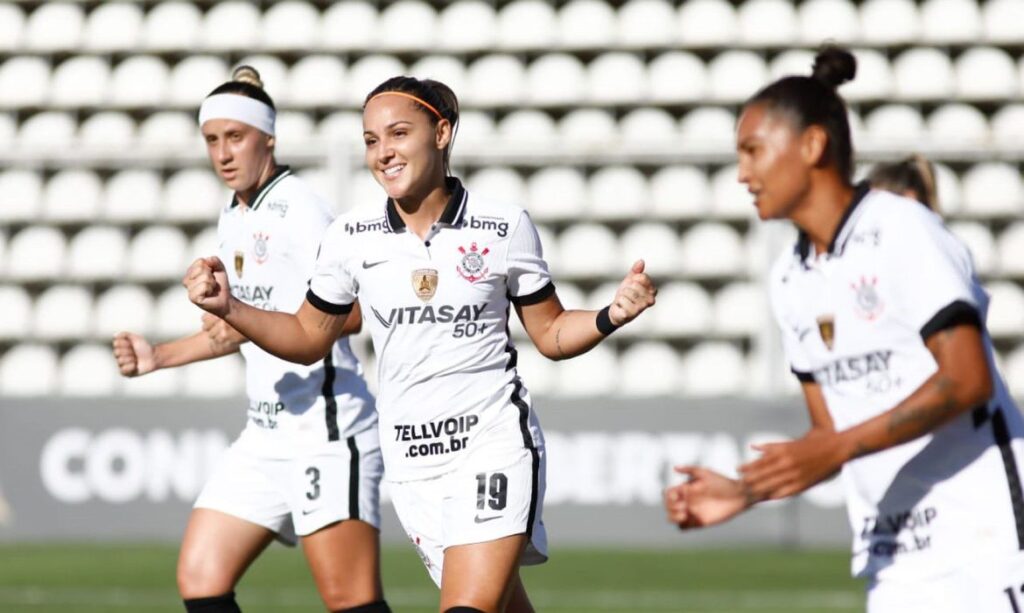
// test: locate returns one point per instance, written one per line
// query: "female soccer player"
(437, 270)
(308, 462)
(882, 320)
(913, 177)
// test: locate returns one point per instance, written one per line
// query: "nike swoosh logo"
(802, 333)
(481, 520)
(305, 512)
(372, 264)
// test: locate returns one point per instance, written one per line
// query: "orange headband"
(410, 97)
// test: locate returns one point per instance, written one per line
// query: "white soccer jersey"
(438, 312)
(854, 320)
(269, 249)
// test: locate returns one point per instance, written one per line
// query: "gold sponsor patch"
(239, 263)
(827, 329)
(424, 283)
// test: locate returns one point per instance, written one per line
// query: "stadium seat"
(107, 130)
(617, 192)
(730, 198)
(552, 257)
(741, 309)
(708, 129)
(124, 308)
(273, 72)
(12, 26)
(711, 249)
(986, 73)
(950, 194)
(368, 72)
(322, 182)
(55, 26)
(346, 26)
(28, 370)
(708, 23)
(79, 81)
(978, 239)
(362, 188)
(346, 128)
(175, 315)
(8, 130)
(617, 78)
(36, 253)
(556, 79)
(768, 22)
(444, 68)
(586, 24)
(498, 184)
(295, 133)
(220, 378)
(48, 131)
(836, 20)
(676, 76)
(889, 22)
(113, 27)
(646, 23)
(895, 127)
(527, 131)
(1008, 126)
(655, 243)
(24, 82)
(315, 80)
(993, 189)
(950, 21)
(556, 193)
(588, 250)
(594, 373)
(958, 126)
(714, 369)
(496, 80)
(287, 26)
(683, 309)
(534, 369)
(736, 75)
(792, 62)
(924, 74)
(169, 131)
(62, 312)
(1003, 21)
(172, 26)
(645, 128)
(680, 192)
(97, 253)
(588, 129)
(641, 378)
(72, 196)
(1011, 250)
(140, 80)
(21, 194)
(193, 194)
(157, 253)
(17, 317)
(874, 79)
(88, 370)
(162, 383)
(3, 251)
(1006, 309)
(467, 25)
(232, 25)
(408, 25)
(203, 244)
(475, 128)
(194, 77)
(527, 24)
(132, 196)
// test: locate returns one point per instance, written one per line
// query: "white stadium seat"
(680, 192)
(72, 195)
(203, 244)
(836, 20)
(496, 80)
(407, 25)
(49, 130)
(980, 242)
(950, 21)
(295, 132)
(12, 26)
(62, 312)
(193, 78)
(444, 68)
(741, 309)
(1013, 374)
(556, 193)
(708, 129)
(594, 373)
(498, 184)
(708, 23)
(362, 188)
(287, 26)
(730, 198)
(107, 130)
(36, 253)
(646, 23)
(714, 369)
(588, 250)
(986, 73)
(534, 369)
(124, 308)
(711, 249)
(170, 131)
(551, 256)
(475, 128)
(132, 196)
(527, 24)
(792, 62)
(367, 73)
(24, 81)
(1006, 309)
(645, 128)
(223, 377)
(175, 314)
(588, 129)
(17, 312)
(1011, 250)
(1003, 21)
(874, 79)
(157, 253)
(231, 25)
(55, 26)
(736, 75)
(958, 126)
(113, 26)
(768, 22)
(80, 81)
(162, 383)
(556, 79)
(586, 24)
(657, 244)
(683, 309)
(21, 195)
(889, 22)
(3, 250)
(88, 370)
(172, 25)
(28, 370)
(527, 130)
(346, 127)
(193, 194)
(140, 80)
(8, 130)
(993, 189)
(676, 76)
(348, 26)
(316, 80)
(467, 25)
(924, 73)
(649, 369)
(1008, 126)
(617, 78)
(947, 184)
(618, 192)
(896, 127)
(97, 252)
(273, 72)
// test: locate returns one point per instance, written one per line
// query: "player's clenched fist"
(207, 285)
(634, 296)
(134, 354)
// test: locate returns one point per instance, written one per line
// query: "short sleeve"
(332, 288)
(790, 331)
(529, 280)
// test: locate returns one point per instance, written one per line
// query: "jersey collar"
(453, 212)
(803, 242)
(280, 172)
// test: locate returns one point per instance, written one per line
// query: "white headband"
(240, 108)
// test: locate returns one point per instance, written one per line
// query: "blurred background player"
(439, 270)
(883, 323)
(308, 462)
(913, 177)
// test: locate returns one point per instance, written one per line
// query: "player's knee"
(374, 607)
(225, 603)
(197, 580)
(463, 610)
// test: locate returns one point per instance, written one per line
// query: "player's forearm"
(572, 333)
(280, 334)
(194, 348)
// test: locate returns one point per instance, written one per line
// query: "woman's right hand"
(207, 285)
(134, 354)
(708, 498)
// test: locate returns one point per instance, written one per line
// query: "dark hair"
(813, 100)
(245, 80)
(914, 173)
(434, 93)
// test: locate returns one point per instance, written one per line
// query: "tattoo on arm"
(326, 322)
(923, 418)
(558, 342)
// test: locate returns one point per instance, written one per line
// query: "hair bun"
(834, 66)
(247, 74)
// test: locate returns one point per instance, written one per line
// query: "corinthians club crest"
(472, 267)
(259, 248)
(827, 329)
(424, 283)
(869, 305)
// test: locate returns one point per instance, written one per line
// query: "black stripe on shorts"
(353, 479)
(1002, 436)
(524, 427)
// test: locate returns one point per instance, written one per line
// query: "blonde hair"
(913, 173)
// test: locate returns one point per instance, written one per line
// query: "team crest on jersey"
(259, 248)
(424, 283)
(239, 263)
(827, 329)
(473, 267)
(869, 304)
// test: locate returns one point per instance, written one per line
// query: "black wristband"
(604, 322)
